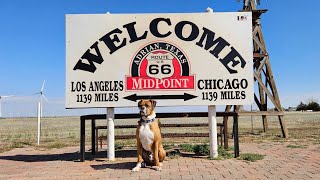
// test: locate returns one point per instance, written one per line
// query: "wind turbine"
(42, 96)
(3, 97)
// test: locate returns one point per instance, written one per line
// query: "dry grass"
(65, 131)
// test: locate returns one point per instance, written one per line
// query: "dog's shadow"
(176, 153)
(115, 165)
(122, 165)
(172, 153)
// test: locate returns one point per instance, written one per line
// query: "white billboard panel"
(113, 60)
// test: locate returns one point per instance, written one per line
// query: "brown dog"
(149, 143)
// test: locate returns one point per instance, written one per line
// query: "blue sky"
(32, 41)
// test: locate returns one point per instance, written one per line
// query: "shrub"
(312, 105)
(118, 146)
(302, 107)
(251, 157)
(202, 149)
(187, 147)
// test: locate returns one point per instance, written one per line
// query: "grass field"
(59, 132)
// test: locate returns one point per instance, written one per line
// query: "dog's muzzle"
(143, 111)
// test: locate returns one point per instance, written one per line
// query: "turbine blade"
(44, 97)
(43, 85)
(7, 96)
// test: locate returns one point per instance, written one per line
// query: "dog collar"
(147, 121)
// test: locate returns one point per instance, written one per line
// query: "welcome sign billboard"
(114, 60)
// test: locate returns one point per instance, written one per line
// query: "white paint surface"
(110, 120)
(213, 138)
(39, 123)
(82, 31)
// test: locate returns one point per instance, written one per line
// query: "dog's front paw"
(135, 169)
(158, 168)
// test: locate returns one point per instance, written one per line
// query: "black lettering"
(218, 84)
(231, 57)
(116, 97)
(121, 85)
(194, 31)
(83, 85)
(111, 88)
(235, 84)
(91, 87)
(224, 95)
(110, 97)
(210, 42)
(90, 58)
(237, 96)
(72, 88)
(208, 83)
(244, 83)
(133, 34)
(115, 85)
(78, 86)
(154, 27)
(110, 42)
(214, 84)
(200, 87)
(98, 97)
(243, 95)
(97, 85)
(106, 84)
(227, 85)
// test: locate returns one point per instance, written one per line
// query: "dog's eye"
(147, 105)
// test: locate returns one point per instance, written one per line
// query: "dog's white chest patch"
(146, 136)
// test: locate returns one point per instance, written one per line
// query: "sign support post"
(39, 123)
(110, 120)
(213, 131)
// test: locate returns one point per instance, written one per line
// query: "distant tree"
(302, 107)
(311, 100)
(314, 106)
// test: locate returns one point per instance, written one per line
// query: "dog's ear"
(139, 103)
(153, 103)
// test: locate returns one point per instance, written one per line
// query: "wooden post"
(213, 138)
(235, 135)
(110, 119)
(262, 71)
(93, 136)
(225, 127)
(82, 139)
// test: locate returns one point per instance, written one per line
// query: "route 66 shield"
(160, 65)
